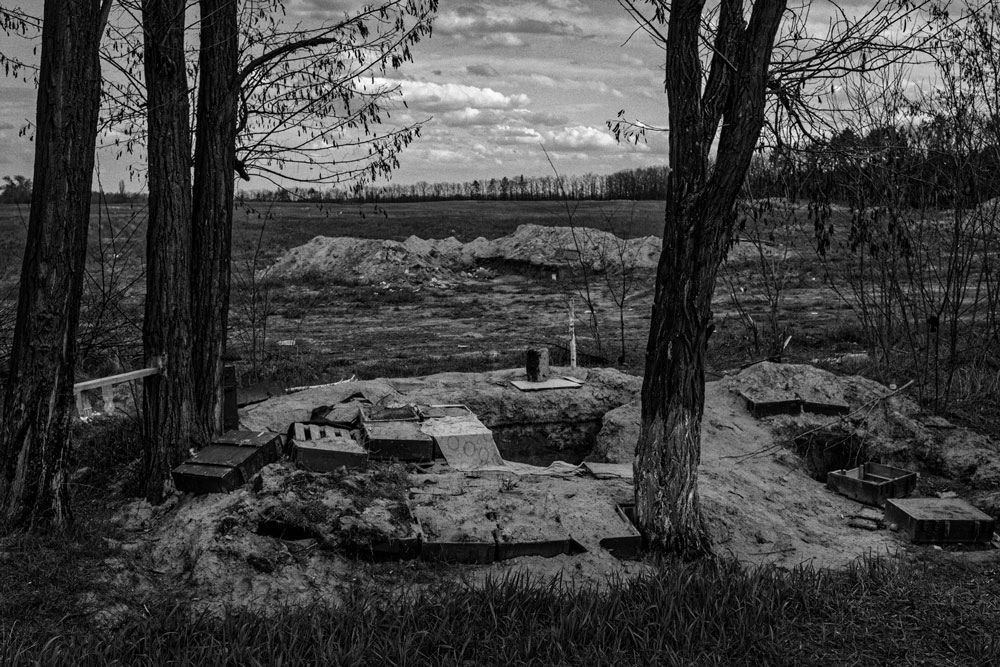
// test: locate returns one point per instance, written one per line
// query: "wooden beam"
(115, 379)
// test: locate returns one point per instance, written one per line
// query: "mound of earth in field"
(292, 536)
(416, 260)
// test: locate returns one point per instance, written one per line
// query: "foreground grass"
(880, 612)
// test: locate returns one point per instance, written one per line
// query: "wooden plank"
(300, 432)
(551, 383)
(314, 432)
(115, 379)
(626, 542)
(459, 552)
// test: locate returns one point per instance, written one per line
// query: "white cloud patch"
(581, 138)
(450, 97)
(576, 139)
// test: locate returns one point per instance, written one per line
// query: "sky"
(495, 83)
(498, 82)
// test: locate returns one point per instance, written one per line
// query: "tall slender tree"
(166, 331)
(214, 164)
(38, 393)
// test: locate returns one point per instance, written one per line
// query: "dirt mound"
(416, 260)
(371, 261)
(568, 246)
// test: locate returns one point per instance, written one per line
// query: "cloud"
(506, 26)
(444, 97)
(482, 70)
(486, 24)
(581, 138)
(502, 39)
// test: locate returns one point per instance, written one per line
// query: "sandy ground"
(760, 502)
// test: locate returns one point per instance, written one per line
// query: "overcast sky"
(497, 80)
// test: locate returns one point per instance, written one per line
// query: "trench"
(543, 443)
(825, 451)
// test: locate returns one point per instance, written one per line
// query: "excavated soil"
(292, 537)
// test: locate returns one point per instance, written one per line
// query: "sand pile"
(417, 261)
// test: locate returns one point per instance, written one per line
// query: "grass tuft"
(712, 613)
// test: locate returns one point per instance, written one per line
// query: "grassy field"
(292, 224)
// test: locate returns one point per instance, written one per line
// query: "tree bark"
(167, 397)
(698, 227)
(38, 393)
(214, 159)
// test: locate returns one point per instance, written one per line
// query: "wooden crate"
(939, 520)
(826, 407)
(200, 479)
(397, 440)
(872, 483)
(441, 411)
(208, 470)
(772, 403)
(380, 413)
(266, 439)
(327, 448)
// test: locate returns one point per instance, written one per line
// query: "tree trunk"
(167, 398)
(38, 393)
(673, 390)
(214, 158)
(698, 227)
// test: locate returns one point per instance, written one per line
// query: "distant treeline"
(643, 183)
(17, 190)
(915, 167)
